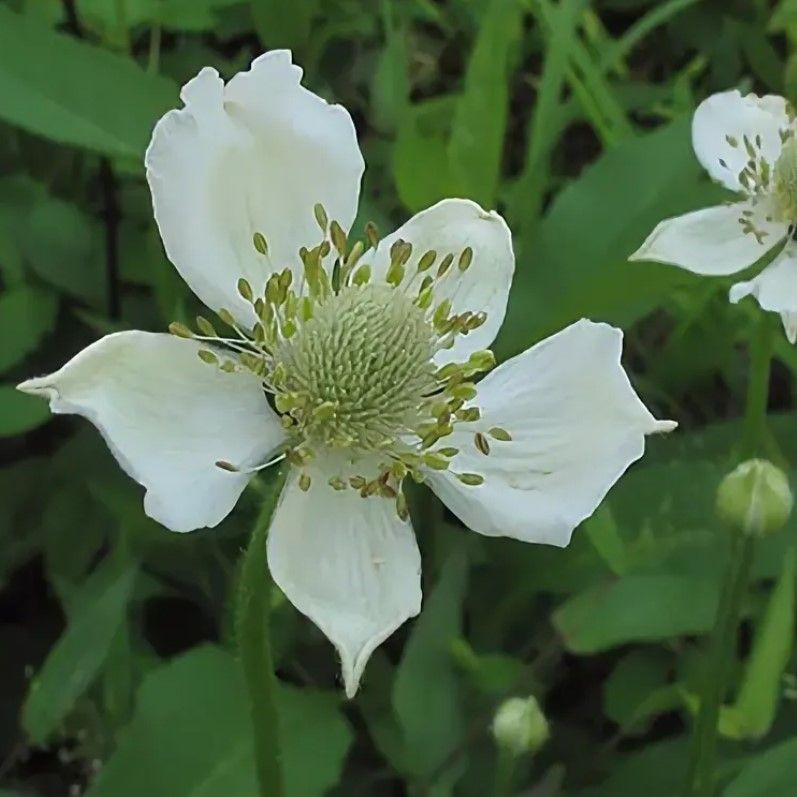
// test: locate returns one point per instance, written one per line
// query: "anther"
(260, 243)
(481, 443)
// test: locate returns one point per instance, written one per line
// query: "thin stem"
(700, 781)
(757, 387)
(721, 653)
(504, 773)
(254, 645)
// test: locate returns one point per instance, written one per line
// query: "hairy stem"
(254, 645)
(700, 781)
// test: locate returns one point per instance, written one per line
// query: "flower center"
(785, 180)
(357, 373)
(349, 360)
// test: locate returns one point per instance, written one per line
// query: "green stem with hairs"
(700, 780)
(253, 632)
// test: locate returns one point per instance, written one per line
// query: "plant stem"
(700, 782)
(504, 771)
(757, 388)
(721, 653)
(254, 646)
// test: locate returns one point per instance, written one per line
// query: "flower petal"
(712, 241)
(720, 125)
(168, 418)
(253, 156)
(775, 289)
(576, 425)
(348, 563)
(448, 228)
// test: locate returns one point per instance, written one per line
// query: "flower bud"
(519, 726)
(755, 498)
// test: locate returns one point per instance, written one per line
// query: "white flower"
(368, 358)
(748, 144)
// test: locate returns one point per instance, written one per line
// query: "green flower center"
(349, 360)
(357, 373)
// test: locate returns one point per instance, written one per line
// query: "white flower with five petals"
(747, 144)
(356, 365)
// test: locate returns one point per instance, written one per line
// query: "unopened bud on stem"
(755, 498)
(519, 726)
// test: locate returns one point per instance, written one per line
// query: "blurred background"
(117, 672)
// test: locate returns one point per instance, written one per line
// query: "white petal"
(729, 115)
(447, 228)
(775, 289)
(255, 155)
(348, 563)
(576, 425)
(168, 418)
(712, 241)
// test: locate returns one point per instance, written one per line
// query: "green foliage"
(97, 611)
(75, 93)
(191, 735)
(572, 118)
(426, 691)
(772, 772)
(754, 711)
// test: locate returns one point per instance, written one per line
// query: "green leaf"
(753, 713)
(635, 677)
(492, 673)
(390, 86)
(76, 93)
(284, 23)
(427, 696)
(603, 533)
(26, 315)
(547, 118)
(20, 412)
(420, 155)
(637, 608)
(655, 771)
(773, 773)
(96, 613)
(64, 247)
(480, 116)
(577, 264)
(183, 15)
(191, 736)
(11, 267)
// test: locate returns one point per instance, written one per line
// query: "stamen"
(349, 359)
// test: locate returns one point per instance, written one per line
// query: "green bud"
(755, 498)
(519, 726)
